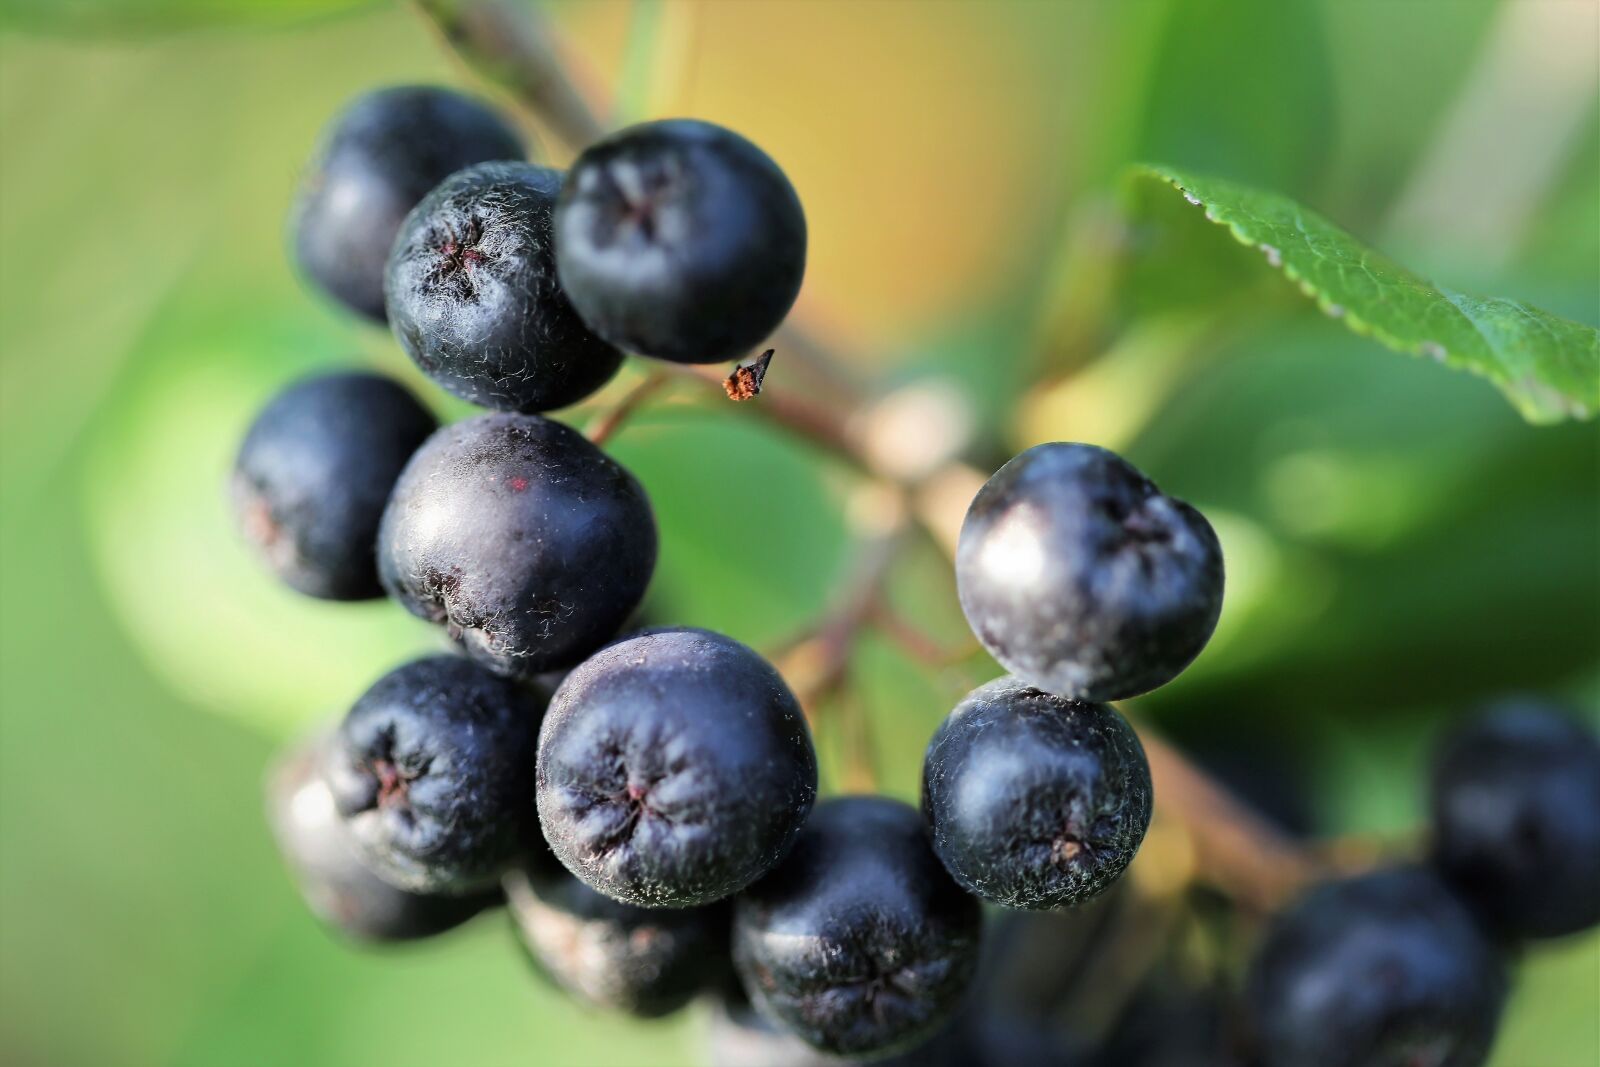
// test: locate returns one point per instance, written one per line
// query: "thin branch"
(641, 57)
(938, 501)
(811, 422)
(1351, 853)
(920, 645)
(861, 749)
(608, 423)
(1130, 945)
(832, 376)
(1239, 852)
(818, 661)
(511, 46)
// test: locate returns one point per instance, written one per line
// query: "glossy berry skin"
(322, 857)
(675, 768)
(379, 158)
(858, 942)
(314, 473)
(1516, 819)
(431, 771)
(680, 240)
(1081, 578)
(646, 962)
(473, 298)
(1035, 801)
(530, 545)
(1383, 970)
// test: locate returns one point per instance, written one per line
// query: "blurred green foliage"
(122, 18)
(1400, 543)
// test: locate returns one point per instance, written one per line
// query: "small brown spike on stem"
(745, 381)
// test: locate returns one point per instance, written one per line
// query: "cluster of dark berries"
(1406, 965)
(643, 801)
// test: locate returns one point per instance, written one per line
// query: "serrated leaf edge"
(1535, 401)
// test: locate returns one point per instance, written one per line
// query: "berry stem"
(659, 59)
(818, 662)
(1133, 934)
(1239, 852)
(511, 47)
(811, 422)
(920, 646)
(641, 57)
(606, 425)
(861, 751)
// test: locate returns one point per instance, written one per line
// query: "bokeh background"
(1400, 543)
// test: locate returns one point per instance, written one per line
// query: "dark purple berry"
(680, 240)
(527, 543)
(432, 772)
(1033, 800)
(647, 962)
(336, 885)
(1516, 818)
(1383, 970)
(1082, 579)
(380, 157)
(473, 296)
(858, 942)
(675, 768)
(740, 1036)
(314, 473)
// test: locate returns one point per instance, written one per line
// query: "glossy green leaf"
(1547, 366)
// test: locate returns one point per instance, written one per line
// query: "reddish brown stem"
(606, 426)
(806, 420)
(819, 659)
(1239, 851)
(921, 646)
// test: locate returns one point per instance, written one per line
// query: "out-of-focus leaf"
(1399, 69)
(97, 18)
(1561, 252)
(213, 622)
(1168, 262)
(1548, 367)
(1183, 93)
(1108, 402)
(1553, 996)
(1395, 536)
(752, 539)
(1241, 88)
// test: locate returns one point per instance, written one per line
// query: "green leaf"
(207, 617)
(1547, 366)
